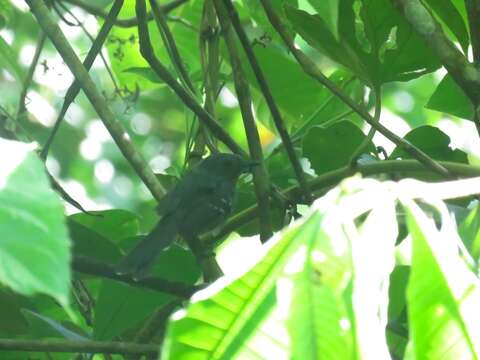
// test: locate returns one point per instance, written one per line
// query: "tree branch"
(267, 94)
(130, 22)
(94, 347)
(74, 89)
(323, 182)
(457, 65)
(260, 176)
(121, 138)
(148, 54)
(90, 267)
(311, 69)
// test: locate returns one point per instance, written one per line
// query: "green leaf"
(442, 292)
(375, 41)
(145, 72)
(121, 307)
(44, 326)
(218, 326)
(450, 98)
(330, 148)
(317, 34)
(450, 15)
(114, 225)
(470, 232)
(13, 322)
(328, 10)
(34, 247)
(91, 244)
(434, 142)
(9, 62)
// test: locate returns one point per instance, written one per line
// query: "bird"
(200, 202)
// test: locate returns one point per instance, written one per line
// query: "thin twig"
(121, 138)
(177, 61)
(371, 133)
(314, 71)
(267, 94)
(29, 77)
(129, 22)
(74, 89)
(83, 346)
(260, 176)
(91, 267)
(148, 54)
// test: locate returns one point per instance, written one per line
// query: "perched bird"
(200, 202)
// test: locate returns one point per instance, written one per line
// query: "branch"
(260, 176)
(457, 65)
(169, 41)
(90, 267)
(311, 69)
(74, 89)
(377, 92)
(148, 54)
(130, 22)
(121, 138)
(323, 182)
(56, 345)
(473, 11)
(267, 94)
(31, 70)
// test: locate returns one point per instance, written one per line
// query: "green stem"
(323, 182)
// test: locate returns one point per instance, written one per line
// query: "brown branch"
(74, 89)
(323, 182)
(91, 267)
(457, 65)
(272, 105)
(260, 175)
(121, 138)
(148, 54)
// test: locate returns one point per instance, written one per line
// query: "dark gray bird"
(200, 202)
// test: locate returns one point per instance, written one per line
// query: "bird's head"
(229, 166)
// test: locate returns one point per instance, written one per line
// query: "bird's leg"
(205, 257)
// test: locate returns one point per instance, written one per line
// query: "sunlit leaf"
(35, 247)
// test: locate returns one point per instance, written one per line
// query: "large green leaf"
(443, 293)
(218, 326)
(450, 98)
(34, 247)
(375, 41)
(449, 14)
(120, 307)
(329, 148)
(434, 142)
(114, 225)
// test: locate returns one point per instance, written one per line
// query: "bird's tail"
(140, 259)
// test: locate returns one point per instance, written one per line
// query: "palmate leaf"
(443, 293)
(327, 292)
(217, 327)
